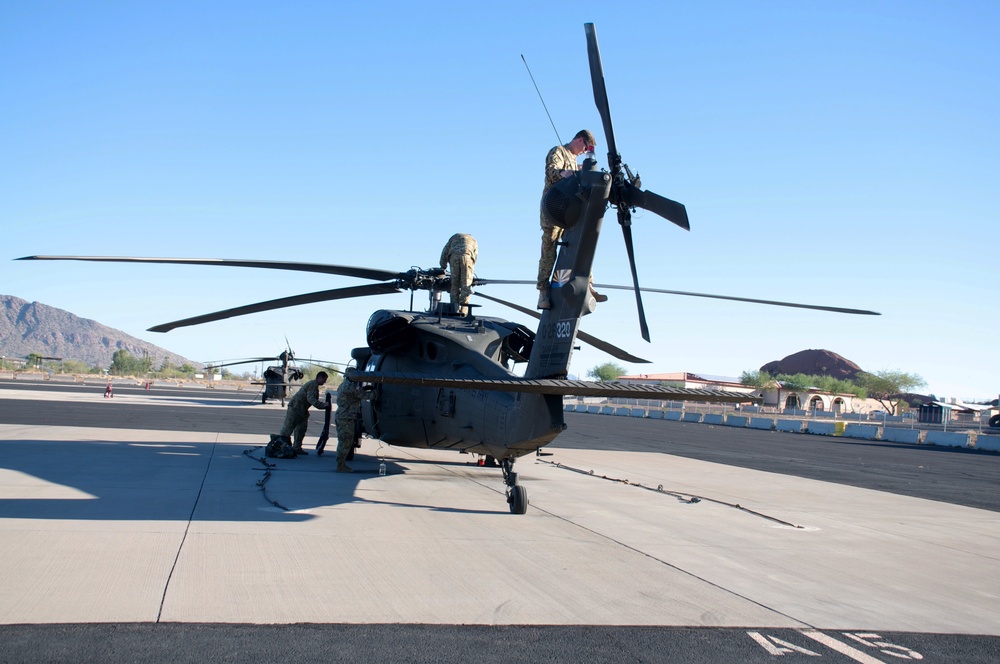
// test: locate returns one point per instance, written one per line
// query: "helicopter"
(445, 379)
(277, 378)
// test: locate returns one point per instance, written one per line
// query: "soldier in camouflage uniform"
(297, 415)
(459, 255)
(348, 412)
(560, 163)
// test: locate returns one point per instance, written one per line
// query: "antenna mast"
(540, 98)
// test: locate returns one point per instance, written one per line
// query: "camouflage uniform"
(557, 160)
(348, 412)
(459, 255)
(297, 415)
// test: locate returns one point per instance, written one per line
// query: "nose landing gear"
(517, 495)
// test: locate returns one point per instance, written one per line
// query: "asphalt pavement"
(148, 527)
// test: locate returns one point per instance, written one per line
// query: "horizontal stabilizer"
(577, 388)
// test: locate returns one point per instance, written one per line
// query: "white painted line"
(842, 648)
(876, 641)
(780, 647)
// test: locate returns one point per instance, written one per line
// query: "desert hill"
(814, 363)
(33, 327)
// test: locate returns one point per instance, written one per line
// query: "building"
(779, 398)
(689, 380)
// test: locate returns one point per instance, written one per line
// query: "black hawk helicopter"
(437, 379)
(277, 378)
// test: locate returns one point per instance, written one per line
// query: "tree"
(123, 363)
(759, 380)
(73, 367)
(606, 372)
(309, 372)
(800, 381)
(887, 387)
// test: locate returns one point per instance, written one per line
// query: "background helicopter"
(440, 380)
(278, 379)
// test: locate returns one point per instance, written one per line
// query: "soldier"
(297, 415)
(559, 163)
(460, 255)
(348, 412)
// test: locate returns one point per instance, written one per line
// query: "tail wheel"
(995, 421)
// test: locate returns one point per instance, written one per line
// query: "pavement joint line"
(187, 529)
(692, 500)
(661, 561)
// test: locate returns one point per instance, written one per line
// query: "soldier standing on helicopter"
(297, 415)
(348, 411)
(560, 163)
(459, 254)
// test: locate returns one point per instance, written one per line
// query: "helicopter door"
(370, 407)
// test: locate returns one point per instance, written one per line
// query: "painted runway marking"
(778, 647)
(891, 649)
(842, 648)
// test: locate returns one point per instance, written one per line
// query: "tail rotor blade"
(670, 210)
(627, 232)
(601, 96)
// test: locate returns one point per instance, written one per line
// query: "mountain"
(33, 327)
(814, 363)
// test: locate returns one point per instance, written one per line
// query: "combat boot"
(600, 297)
(343, 468)
(543, 299)
(297, 449)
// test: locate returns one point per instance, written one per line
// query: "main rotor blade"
(343, 270)
(818, 307)
(612, 350)
(483, 282)
(583, 388)
(670, 210)
(601, 96)
(627, 233)
(321, 362)
(230, 364)
(281, 303)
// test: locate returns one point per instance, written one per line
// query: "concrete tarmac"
(137, 541)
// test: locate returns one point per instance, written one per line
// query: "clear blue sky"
(841, 152)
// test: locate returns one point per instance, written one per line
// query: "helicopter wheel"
(517, 495)
(518, 499)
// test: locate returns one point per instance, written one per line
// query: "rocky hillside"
(814, 363)
(33, 327)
